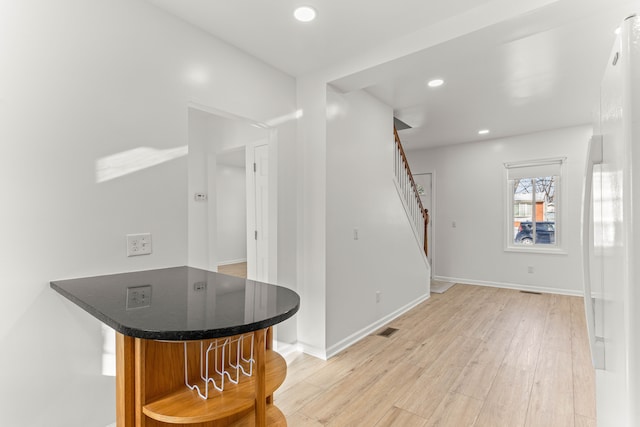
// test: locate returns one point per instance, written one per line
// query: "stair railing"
(409, 190)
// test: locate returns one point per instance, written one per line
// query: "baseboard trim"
(362, 333)
(515, 286)
(287, 350)
(311, 350)
(233, 261)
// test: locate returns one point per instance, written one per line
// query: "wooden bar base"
(151, 390)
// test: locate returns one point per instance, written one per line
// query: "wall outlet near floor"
(138, 296)
(530, 269)
(378, 296)
(138, 244)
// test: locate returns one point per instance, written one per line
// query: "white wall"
(232, 214)
(80, 81)
(311, 172)
(361, 195)
(469, 189)
(201, 230)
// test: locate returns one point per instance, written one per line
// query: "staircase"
(408, 191)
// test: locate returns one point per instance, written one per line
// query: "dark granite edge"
(195, 335)
(175, 335)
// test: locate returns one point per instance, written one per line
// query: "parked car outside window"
(545, 233)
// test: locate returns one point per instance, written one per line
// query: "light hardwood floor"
(473, 356)
(238, 270)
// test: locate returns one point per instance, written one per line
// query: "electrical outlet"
(530, 269)
(200, 197)
(378, 295)
(138, 296)
(200, 286)
(138, 244)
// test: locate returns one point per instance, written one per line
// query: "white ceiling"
(343, 28)
(538, 71)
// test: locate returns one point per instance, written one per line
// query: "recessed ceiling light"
(435, 83)
(305, 14)
(618, 30)
(483, 132)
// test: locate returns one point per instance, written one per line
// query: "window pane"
(534, 212)
(545, 210)
(522, 211)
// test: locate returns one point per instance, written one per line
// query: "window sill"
(536, 250)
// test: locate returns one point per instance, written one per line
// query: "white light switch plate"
(138, 244)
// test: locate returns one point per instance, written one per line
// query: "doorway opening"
(231, 209)
(229, 177)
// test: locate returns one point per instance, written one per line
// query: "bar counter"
(193, 347)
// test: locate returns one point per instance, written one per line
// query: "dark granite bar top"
(180, 303)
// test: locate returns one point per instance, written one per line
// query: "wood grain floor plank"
(494, 347)
(585, 421)
(332, 402)
(508, 399)
(299, 368)
(238, 270)
(299, 420)
(360, 411)
(295, 397)
(551, 402)
(474, 355)
(476, 380)
(525, 346)
(397, 417)
(428, 390)
(455, 410)
(329, 404)
(510, 315)
(557, 336)
(584, 375)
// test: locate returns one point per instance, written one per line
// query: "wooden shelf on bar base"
(151, 391)
(184, 406)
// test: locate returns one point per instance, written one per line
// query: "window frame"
(560, 207)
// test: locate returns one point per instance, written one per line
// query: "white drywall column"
(199, 212)
(382, 272)
(312, 188)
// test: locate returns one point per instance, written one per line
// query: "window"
(533, 204)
